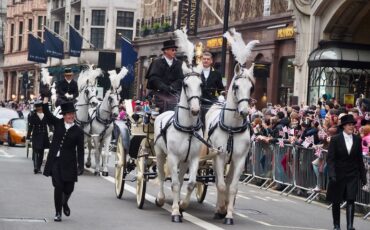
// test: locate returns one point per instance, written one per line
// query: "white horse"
(102, 127)
(228, 128)
(174, 135)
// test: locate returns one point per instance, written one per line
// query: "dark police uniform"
(65, 159)
(165, 80)
(38, 131)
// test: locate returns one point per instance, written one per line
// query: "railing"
(155, 25)
(295, 168)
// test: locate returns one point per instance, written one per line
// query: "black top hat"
(67, 71)
(67, 107)
(38, 103)
(347, 119)
(169, 44)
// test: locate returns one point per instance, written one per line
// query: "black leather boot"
(350, 213)
(39, 159)
(66, 209)
(336, 216)
(58, 217)
(34, 159)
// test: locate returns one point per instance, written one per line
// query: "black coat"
(70, 144)
(64, 87)
(39, 131)
(212, 85)
(346, 168)
(161, 76)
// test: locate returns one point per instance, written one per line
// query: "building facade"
(332, 54)
(2, 45)
(22, 17)
(268, 21)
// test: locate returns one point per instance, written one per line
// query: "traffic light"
(25, 80)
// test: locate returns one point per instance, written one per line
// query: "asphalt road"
(26, 202)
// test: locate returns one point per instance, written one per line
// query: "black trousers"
(62, 189)
(37, 157)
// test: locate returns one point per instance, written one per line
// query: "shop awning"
(340, 54)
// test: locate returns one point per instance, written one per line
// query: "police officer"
(66, 155)
(37, 128)
(165, 77)
(66, 89)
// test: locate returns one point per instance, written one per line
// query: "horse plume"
(238, 47)
(46, 78)
(184, 44)
(115, 78)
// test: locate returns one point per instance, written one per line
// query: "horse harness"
(80, 123)
(105, 122)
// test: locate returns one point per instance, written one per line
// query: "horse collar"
(186, 129)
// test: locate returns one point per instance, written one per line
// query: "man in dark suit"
(66, 89)
(66, 156)
(212, 83)
(165, 77)
(346, 168)
(37, 127)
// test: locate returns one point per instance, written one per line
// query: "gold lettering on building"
(285, 33)
(214, 43)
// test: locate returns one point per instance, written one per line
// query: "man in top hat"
(346, 169)
(165, 77)
(38, 131)
(66, 89)
(66, 155)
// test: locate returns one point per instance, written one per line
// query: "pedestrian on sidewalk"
(66, 155)
(346, 168)
(38, 132)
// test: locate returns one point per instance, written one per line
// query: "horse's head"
(90, 95)
(113, 103)
(242, 87)
(192, 88)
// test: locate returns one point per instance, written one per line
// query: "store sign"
(285, 33)
(214, 43)
(188, 15)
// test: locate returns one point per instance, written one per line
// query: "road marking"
(195, 220)
(5, 154)
(258, 197)
(244, 197)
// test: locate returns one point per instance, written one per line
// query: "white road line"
(258, 197)
(244, 197)
(195, 220)
(5, 154)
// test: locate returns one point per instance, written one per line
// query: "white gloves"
(69, 96)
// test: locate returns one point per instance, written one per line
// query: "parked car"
(12, 128)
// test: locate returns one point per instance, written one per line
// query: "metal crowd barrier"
(292, 166)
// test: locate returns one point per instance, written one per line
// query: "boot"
(66, 209)
(336, 216)
(350, 213)
(58, 217)
(39, 160)
(34, 159)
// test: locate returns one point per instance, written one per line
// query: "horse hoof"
(96, 173)
(158, 204)
(105, 173)
(181, 211)
(176, 219)
(229, 221)
(219, 216)
(88, 165)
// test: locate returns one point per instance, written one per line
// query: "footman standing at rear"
(346, 169)
(66, 156)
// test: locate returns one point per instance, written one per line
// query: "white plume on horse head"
(46, 78)
(241, 51)
(184, 44)
(115, 78)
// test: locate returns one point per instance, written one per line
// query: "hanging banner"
(36, 50)
(54, 47)
(75, 42)
(128, 60)
(188, 15)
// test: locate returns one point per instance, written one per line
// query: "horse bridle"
(86, 92)
(249, 100)
(184, 88)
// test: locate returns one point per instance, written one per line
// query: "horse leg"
(161, 159)
(89, 147)
(218, 164)
(97, 152)
(235, 171)
(105, 154)
(173, 163)
(193, 168)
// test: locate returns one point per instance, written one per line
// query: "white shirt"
(40, 115)
(67, 126)
(349, 141)
(69, 81)
(169, 61)
(206, 72)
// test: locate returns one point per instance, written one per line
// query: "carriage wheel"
(141, 179)
(201, 187)
(120, 168)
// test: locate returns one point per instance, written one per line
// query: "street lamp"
(13, 97)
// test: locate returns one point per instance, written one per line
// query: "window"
(125, 33)
(11, 38)
(39, 23)
(97, 28)
(97, 37)
(125, 26)
(125, 19)
(20, 36)
(98, 18)
(77, 22)
(286, 80)
(56, 26)
(30, 25)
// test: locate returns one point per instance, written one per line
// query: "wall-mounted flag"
(75, 42)
(128, 59)
(54, 47)
(36, 50)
